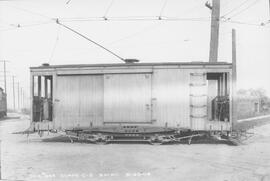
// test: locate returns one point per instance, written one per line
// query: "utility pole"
(5, 81)
(215, 17)
(22, 101)
(5, 76)
(234, 78)
(18, 96)
(13, 92)
(213, 52)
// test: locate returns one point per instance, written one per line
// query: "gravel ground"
(39, 160)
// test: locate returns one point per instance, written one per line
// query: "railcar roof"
(129, 64)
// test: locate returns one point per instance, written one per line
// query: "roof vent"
(45, 64)
(131, 60)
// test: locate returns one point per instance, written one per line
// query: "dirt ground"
(39, 160)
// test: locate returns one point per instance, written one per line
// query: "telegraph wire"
(30, 12)
(245, 23)
(234, 15)
(265, 23)
(235, 8)
(163, 8)
(55, 44)
(6, 23)
(18, 26)
(108, 8)
(68, 2)
(148, 28)
(226, 4)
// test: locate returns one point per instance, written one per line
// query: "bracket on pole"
(208, 5)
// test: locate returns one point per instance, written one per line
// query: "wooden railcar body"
(192, 95)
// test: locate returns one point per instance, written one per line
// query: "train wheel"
(101, 139)
(101, 142)
(156, 142)
(40, 133)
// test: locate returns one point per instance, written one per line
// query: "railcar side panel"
(171, 97)
(79, 101)
(127, 98)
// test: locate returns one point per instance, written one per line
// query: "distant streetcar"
(3, 103)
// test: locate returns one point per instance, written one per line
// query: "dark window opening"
(218, 96)
(42, 98)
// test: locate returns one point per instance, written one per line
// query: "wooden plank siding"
(79, 101)
(171, 97)
(127, 98)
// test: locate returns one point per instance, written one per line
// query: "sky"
(38, 39)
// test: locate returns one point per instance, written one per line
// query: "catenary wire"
(235, 8)
(163, 8)
(55, 44)
(243, 10)
(30, 11)
(108, 8)
(26, 25)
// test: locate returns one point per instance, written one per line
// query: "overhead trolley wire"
(135, 18)
(154, 18)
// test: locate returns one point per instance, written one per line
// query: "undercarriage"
(146, 134)
(152, 135)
